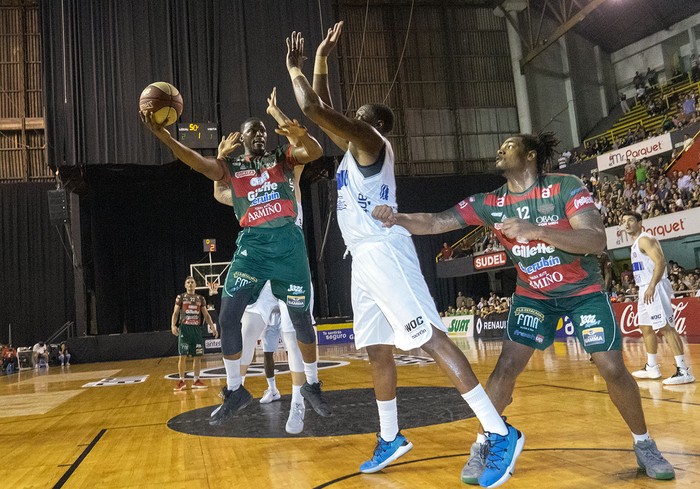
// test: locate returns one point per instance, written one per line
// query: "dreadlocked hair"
(544, 145)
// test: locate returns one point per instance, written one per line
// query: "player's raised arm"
(367, 140)
(223, 193)
(306, 147)
(208, 167)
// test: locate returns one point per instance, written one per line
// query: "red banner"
(491, 260)
(686, 312)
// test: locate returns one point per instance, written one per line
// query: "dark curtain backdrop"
(223, 55)
(37, 272)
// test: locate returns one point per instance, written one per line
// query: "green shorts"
(190, 342)
(533, 322)
(274, 254)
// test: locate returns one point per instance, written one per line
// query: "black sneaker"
(312, 393)
(233, 401)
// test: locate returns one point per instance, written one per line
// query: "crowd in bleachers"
(465, 305)
(685, 283)
(645, 189)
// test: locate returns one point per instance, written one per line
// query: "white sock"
(272, 383)
(480, 438)
(638, 438)
(243, 379)
(311, 372)
(388, 419)
(651, 359)
(485, 411)
(680, 361)
(196, 378)
(233, 374)
(296, 394)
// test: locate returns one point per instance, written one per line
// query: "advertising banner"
(459, 325)
(333, 333)
(491, 260)
(685, 314)
(668, 226)
(491, 327)
(648, 147)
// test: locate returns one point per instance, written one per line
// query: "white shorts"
(266, 306)
(391, 303)
(660, 311)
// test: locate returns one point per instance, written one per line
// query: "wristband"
(295, 72)
(321, 65)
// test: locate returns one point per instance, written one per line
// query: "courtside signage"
(648, 147)
(491, 260)
(459, 325)
(668, 226)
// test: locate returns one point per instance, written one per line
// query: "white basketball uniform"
(391, 302)
(660, 311)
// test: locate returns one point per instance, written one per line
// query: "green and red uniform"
(190, 341)
(551, 282)
(270, 246)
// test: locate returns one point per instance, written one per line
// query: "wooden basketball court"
(58, 433)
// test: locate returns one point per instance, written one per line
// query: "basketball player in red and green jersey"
(186, 324)
(552, 232)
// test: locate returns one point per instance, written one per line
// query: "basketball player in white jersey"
(391, 302)
(654, 310)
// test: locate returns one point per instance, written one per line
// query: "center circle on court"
(354, 412)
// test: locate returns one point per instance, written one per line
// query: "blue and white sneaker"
(385, 453)
(503, 451)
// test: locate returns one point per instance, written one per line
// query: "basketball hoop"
(213, 288)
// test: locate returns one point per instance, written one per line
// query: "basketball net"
(213, 288)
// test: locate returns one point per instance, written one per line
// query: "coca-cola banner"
(676, 225)
(492, 326)
(684, 310)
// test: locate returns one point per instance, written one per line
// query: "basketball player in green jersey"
(186, 324)
(552, 232)
(269, 247)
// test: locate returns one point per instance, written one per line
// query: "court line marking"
(79, 460)
(566, 449)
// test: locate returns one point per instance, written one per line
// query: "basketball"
(163, 100)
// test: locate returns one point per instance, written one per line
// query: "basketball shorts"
(391, 302)
(274, 254)
(190, 342)
(660, 311)
(533, 322)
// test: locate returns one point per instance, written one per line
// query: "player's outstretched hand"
(272, 101)
(385, 215)
(292, 131)
(175, 330)
(329, 43)
(228, 144)
(295, 51)
(158, 129)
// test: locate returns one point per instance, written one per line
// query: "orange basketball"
(163, 100)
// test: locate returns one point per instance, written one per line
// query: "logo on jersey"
(241, 279)
(296, 289)
(244, 253)
(342, 178)
(268, 210)
(257, 181)
(581, 201)
(545, 208)
(588, 320)
(526, 251)
(296, 300)
(244, 173)
(364, 202)
(530, 311)
(547, 220)
(543, 263)
(384, 192)
(593, 336)
(546, 279)
(413, 324)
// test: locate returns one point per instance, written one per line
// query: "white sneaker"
(682, 376)
(295, 422)
(648, 372)
(269, 396)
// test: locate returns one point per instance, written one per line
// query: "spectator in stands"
(460, 300)
(686, 185)
(10, 362)
(40, 354)
(689, 107)
(651, 77)
(623, 103)
(63, 354)
(446, 252)
(626, 276)
(638, 80)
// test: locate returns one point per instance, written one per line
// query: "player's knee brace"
(302, 324)
(232, 309)
(294, 358)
